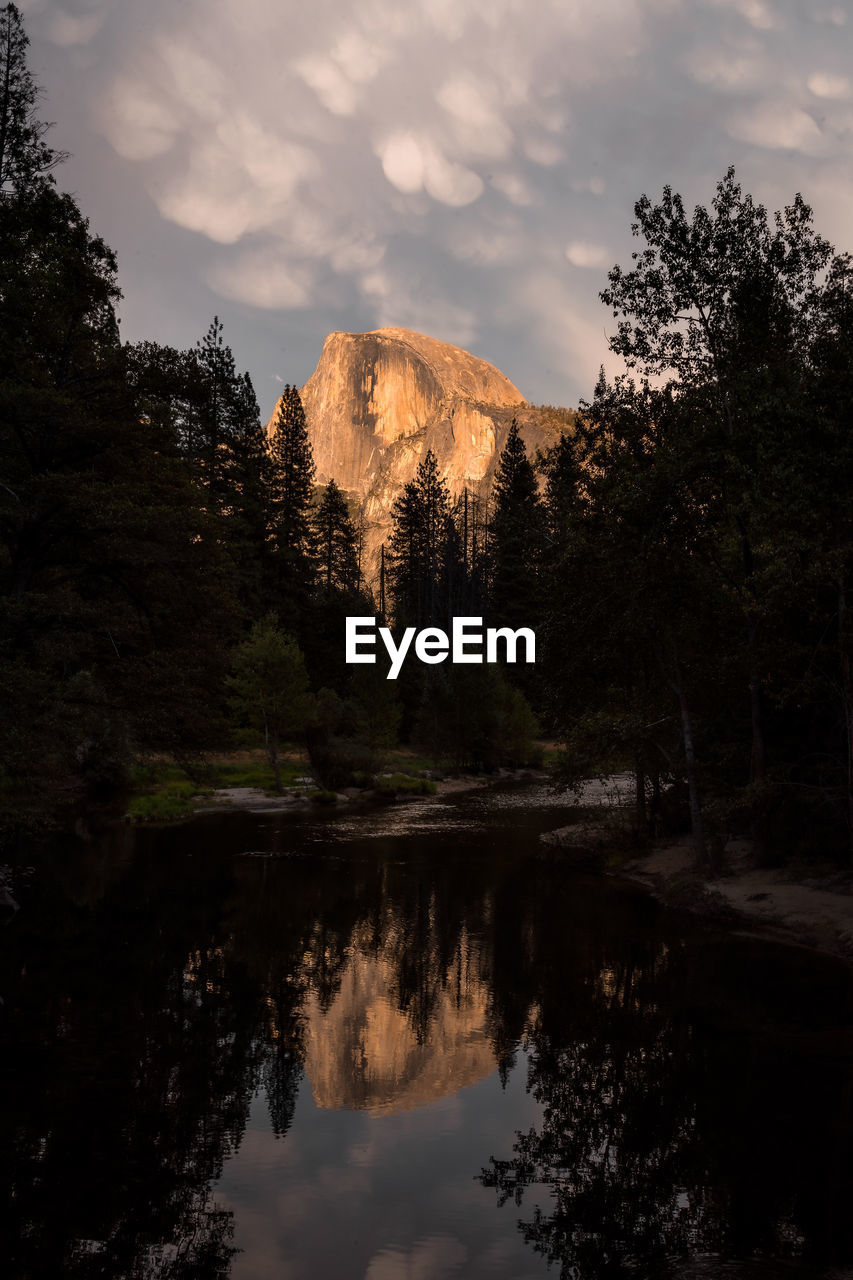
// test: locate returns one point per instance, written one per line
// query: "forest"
(173, 581)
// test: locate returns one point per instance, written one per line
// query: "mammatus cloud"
(371, 163)
(778, 125)
(581, 253)
(824, 84)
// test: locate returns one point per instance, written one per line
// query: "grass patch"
(324, 797)
(251, 774)
(162, 777)
(404, 784)
(413, 765)
(171, 802)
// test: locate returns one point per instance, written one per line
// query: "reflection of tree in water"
(429, 911)
(130, 1083)
(298, 928)
(150, 1001)
(669, 1130)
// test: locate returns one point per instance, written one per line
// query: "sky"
(466, 168)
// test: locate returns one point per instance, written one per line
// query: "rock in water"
(378, 401)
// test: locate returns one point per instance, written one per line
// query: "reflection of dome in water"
(363, 1054)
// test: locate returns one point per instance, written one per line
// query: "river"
(406, 1044)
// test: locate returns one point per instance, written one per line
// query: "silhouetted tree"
(292, 489)
(335, 542)
(517, 529)
(417, 546)
(24, 155)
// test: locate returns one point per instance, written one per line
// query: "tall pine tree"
(417, 547)
(292, 486)
(517, 537)
(335, 543)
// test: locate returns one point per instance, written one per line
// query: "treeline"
(169, 573)
(700, 544)
(685, 552)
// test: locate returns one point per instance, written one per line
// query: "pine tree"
(249, 489)
(293, 474)
(417, 546)
(335, 543)
(453, 583)
(24, 155)
(218, 390)
(517, 529)
(292, 483)
(107, 569)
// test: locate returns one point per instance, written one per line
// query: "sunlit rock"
(364, 1053)
(378, 401)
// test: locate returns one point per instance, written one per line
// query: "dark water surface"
(400, 1045)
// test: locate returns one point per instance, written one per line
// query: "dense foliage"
(684, 552)
(699, 575)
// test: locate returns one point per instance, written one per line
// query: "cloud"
(581, 253)
(413, 163)
(138, 124)
(515, 187)
(833, 17)
(476, 121)
(595, 186)
(334, 89)
(758, 13)
(725, 67)
(823, 84)
(254, 279)
(369, 162)
(777, 125)
(417, 304)
(430, 1257)
(70, 29)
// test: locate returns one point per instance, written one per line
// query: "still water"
(402, 1045)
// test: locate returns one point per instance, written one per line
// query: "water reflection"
(402, 1045)
(366, 1051)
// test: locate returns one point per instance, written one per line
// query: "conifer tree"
(293, 474)
(107, 569)
(417, 546)
(517, 529)
(292, 483)
(249, 489)
(453, 581)
(24, 155)
(218, 389)
(335, 543)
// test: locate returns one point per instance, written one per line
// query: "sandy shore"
(811, 908)
(815, 912)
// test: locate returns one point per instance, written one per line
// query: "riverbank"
(811, 909)
(244, 781)
(809, 906)
(391, 787)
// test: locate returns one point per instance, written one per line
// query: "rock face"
(362, 1052)
(378, 401)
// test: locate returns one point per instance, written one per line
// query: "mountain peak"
(378, 401)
